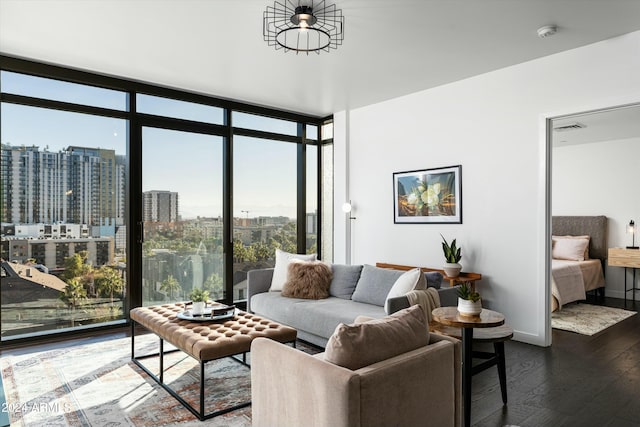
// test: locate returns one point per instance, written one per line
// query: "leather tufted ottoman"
(204, 341)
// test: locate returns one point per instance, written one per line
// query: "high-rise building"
(79, 185)
(160, 206)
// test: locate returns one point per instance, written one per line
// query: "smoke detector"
(547, 31)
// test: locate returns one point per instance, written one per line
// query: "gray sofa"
(355, 291)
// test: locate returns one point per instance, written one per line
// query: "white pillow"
(569, 249)
(586, 250)
(408, 281)
(282, 265)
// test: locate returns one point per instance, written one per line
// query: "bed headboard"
(594, 226)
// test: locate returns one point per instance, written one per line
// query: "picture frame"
(428, 196)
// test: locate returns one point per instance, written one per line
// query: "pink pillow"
(586, 250)
(569, 249)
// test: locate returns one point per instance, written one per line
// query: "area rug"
(587, 319)
(96, 384)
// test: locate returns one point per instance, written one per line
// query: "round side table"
(449, 316)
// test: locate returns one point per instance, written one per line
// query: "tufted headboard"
(594, 226)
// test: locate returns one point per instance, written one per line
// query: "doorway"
(593, 161)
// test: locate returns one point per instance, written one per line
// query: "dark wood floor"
(579, 381)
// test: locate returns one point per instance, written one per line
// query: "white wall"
(490, 124)
(600, 179)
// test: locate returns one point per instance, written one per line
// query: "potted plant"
(452, 256)
(469, 302)
(199, 298)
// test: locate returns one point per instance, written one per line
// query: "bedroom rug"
(587, 319)
(96, 384)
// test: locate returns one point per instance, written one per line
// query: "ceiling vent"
(569, 126)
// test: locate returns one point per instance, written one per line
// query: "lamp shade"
(631, 229)
(303, 26)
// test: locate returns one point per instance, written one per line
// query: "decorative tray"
(216, 312)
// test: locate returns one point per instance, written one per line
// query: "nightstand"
(627, 258)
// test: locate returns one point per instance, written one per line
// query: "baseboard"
(528, 338)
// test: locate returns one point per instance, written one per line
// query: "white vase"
(198, 308)
(468, 307)
(452, 269)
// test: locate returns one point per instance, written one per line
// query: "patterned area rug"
(587, 319)
(97, 385)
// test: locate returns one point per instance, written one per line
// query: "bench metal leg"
(201, 414)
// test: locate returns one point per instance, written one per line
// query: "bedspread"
(567, 282)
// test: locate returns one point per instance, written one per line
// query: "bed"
(579, 252)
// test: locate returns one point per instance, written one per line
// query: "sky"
(187, 163)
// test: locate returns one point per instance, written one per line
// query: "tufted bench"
(204, 341)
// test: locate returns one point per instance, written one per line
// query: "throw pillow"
(282, 263)
(307, 279)
(569, 249)
(586, 250)
(345, 279)
(408, 281)
(434, 279)
(360, 345)
(374, 285)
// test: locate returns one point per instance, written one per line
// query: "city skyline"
(265, 171)
(257, 196)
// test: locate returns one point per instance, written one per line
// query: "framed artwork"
(428, 196)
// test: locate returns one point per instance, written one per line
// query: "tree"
(262, 251)
(170, 285)
(73, 293)
(239, 250)
(214, 284)
(76, 266)
(109, 282)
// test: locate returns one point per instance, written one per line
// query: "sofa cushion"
(374, 285)
(345, 279)
(408, 281)
(359, 345)
(434, 279)
(321, 317)
(282, 263)
(307, 280)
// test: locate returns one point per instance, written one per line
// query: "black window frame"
(136, 121)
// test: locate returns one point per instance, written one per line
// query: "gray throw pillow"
(434, 279)
(374, 285)
(345, 278)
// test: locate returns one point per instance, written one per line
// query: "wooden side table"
(627, 258)
(449, 316)
(463, 277)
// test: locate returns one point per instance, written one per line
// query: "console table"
(627, 258)
(463, 277)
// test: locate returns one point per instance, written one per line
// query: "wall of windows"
(117, 194)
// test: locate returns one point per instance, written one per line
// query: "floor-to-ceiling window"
(117, 194)
(182, 208)
(63, 205)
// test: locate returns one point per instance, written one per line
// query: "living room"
(483, 112)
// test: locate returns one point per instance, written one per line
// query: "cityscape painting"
(428, 196)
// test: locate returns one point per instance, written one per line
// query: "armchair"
(417, 388)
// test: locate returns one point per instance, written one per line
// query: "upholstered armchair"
(420, 387)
